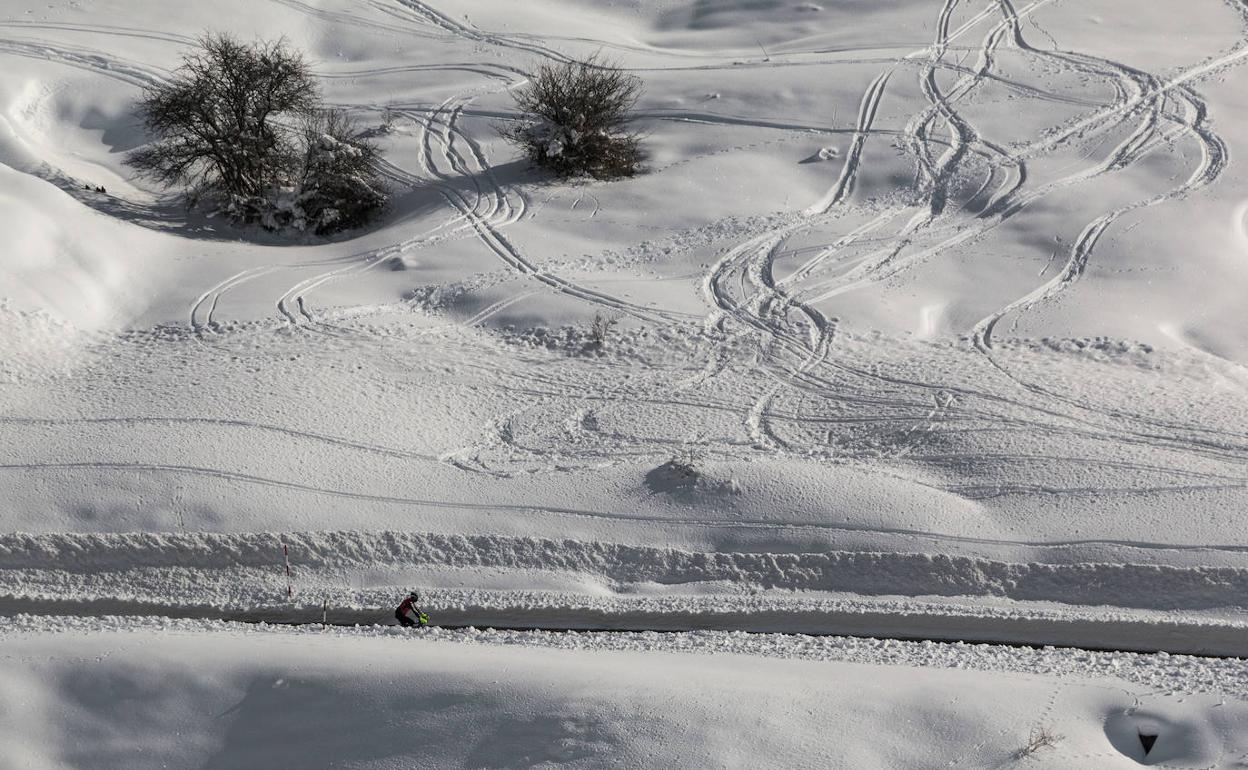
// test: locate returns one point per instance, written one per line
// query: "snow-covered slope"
(989, 332)
(928, 312)
(117, 695)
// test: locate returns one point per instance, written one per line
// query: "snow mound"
(37, 346)
(154, 567)
(127, 698)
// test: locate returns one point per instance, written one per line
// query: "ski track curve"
(1137, 91)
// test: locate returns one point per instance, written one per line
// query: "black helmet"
(414, 596)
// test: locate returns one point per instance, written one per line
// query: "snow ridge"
(868, 573)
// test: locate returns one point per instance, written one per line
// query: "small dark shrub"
(388, 118)
(686, 464)
(599, 330)
(574, 119)
(1040, 738)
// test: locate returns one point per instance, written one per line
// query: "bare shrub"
(687, 473)
(216, 120)
(388, 118)
(599, 329)
(240, 125)
(1040, 738)
(686, 464)
(574, 120)
(338, 187)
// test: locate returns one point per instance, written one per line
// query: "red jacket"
(409, 608)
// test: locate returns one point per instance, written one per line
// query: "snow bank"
(510, 582)
(1045, 193)
(319, 555)
(218, 698)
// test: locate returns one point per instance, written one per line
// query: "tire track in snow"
(1005, 205)
(867, 110)
(349, 266)
(885, 263)
(1213, 161)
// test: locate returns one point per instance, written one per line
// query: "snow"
(924, 320)
(385, 698)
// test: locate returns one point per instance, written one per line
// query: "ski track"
(455, 28)
(449, 164)
(92, 60)
(216, 422)
(1136, 91)
(751, 257)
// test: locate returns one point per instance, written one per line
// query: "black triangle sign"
(1147, 742)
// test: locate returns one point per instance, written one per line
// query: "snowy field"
(251, 698)
(930, 324)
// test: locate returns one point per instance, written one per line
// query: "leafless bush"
(1040, 738)
(216, 121)
(599, 329)
(388, 118)
(338, 187)
(687, 464)
(574, 120)
(240, 125)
